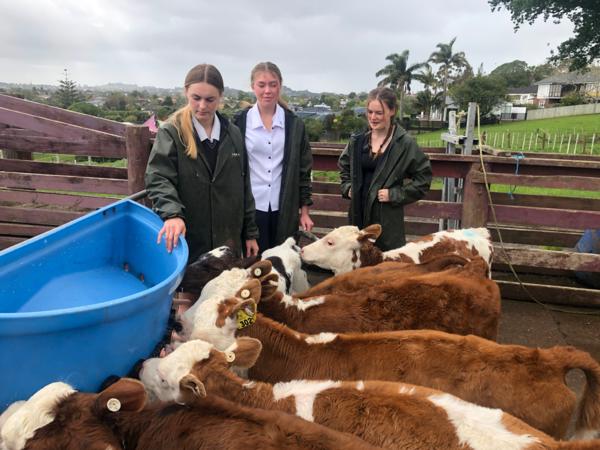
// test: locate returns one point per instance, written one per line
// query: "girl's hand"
(172, 229)
(383, 195)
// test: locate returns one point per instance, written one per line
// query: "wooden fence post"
(137, 143)
(475, 201)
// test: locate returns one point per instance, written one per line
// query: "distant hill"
(128, 87)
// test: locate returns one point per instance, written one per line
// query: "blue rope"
(519, 156)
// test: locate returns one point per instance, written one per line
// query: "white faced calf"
(389, 415)
(59, 418)
(347, 248)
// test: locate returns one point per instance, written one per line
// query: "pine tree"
(67, 92)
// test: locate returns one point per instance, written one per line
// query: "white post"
(530, 139)
(502, 141)
(495, 137)
(592, 147)
(554, 143)
(524, 139)
(562, 136)
(569, 144)
(575, 146)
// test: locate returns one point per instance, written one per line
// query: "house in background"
(522, 95)
(552, 89)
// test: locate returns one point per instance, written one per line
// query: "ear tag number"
(246, 316)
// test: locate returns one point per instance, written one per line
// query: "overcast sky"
(320, 45)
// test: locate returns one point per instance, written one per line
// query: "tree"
(85, 108)
(428, 78)
(67, 93)
(516, 73)
(398, 75)
(427, 101)
(487, 91)
(314, 128)
(451, 64)
(584, 47)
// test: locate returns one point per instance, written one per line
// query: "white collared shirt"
(265, 157)
(214, 134)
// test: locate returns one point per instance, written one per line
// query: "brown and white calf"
(455, 300)
(390, 270)
(525, 382)
(59, 418)
(386, 414)
(347, 248)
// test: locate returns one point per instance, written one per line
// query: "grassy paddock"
(572, 134)
(334, 177)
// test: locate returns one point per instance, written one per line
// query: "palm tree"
(428, 78)
(398, 75)
(427, 101)
(448, 61)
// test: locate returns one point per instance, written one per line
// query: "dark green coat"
(296, 189)
(217, 209)
(403, 159)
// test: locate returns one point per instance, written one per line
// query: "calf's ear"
(126, 394)
(190, 385)
(244, 352)
(269, 285)
(372, 232)
(250, 290)
(260, 268)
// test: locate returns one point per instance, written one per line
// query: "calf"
(385, 271)
(58, 417)
(208, 266)
(456, 301)
(527, 383)
(287, 264)
(386, 414)
(347, 248)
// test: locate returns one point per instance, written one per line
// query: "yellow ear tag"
(257, 272)
(245, 294)
(230, 356)
(246, 316)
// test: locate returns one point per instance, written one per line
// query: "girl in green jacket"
(197, 175)
(382, 170)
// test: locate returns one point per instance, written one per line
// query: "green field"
(573, 134)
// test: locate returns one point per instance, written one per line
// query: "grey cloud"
(321, 45)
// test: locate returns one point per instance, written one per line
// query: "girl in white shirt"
(280, 160)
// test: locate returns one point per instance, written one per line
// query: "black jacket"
(403, 159)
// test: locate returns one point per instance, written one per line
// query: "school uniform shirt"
(265, 157)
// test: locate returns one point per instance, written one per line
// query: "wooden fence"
(539, 231)
(36, 196)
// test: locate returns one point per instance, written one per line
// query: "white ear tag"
(371, 240)
(230, 356)
(113, 404)
(257, 272)
(245, 293)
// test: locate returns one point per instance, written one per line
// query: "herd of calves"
(397, 351)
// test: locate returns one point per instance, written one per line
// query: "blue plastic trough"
(85, 300)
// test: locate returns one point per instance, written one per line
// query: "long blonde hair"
(182, 118)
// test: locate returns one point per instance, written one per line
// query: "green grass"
(334, 177)
(536, 135)
(70, 159)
